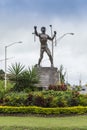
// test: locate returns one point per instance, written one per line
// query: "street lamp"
(51, 30)
(6, 60)
(63, 36)
(59, 40)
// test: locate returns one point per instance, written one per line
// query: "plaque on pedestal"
(47, 75)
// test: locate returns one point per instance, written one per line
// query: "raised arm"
(51, 38)
(35, 31)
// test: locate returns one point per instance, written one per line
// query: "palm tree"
(29, 79)
(15, 71)
(23, 78)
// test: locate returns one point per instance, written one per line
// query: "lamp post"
(51, 29)
(63, 36)
(59, 40)
(6, 60)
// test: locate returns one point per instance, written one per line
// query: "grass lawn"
(42, 123)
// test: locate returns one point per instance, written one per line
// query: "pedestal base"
(47, 75)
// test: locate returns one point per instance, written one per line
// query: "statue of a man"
(43, 37)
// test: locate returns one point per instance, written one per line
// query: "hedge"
(43, 111)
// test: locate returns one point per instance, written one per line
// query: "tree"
(2, 74)
(15, 71)
(29, 79)
(23, 78)
(62, 75)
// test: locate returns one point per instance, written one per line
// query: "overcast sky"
(17, 19)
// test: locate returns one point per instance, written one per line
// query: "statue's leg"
(50, 56)
(41, 56)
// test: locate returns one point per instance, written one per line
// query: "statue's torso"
(43, 40)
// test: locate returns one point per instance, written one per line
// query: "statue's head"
(43, 29)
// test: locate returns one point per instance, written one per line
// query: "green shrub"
(54, 102)
(15, 99)
(43, 111)
(43, 99)
(83, 100)
(74, 99)
(62, 102)
(29, 100)
(49, 101)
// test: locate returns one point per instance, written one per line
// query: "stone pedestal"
(47, 75)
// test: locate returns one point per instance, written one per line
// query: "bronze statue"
(43, 37)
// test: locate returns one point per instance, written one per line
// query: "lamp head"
(20, 42)
(72, 33)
